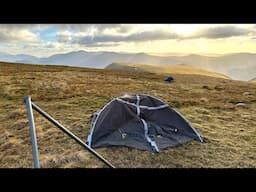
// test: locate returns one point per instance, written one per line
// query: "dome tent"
(140, 121)
(169, 79)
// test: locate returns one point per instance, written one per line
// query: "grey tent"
(140, 121)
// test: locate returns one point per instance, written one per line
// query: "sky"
(43, 40)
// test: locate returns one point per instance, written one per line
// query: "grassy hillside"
(253, 80)
(176, 69)
(222, 110)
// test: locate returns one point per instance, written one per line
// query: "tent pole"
(69, 133)
(32, 131)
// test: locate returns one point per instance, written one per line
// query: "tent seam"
(152, 143)
(142, 106)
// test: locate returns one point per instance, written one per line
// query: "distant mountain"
(102, 59)
(240, 66)
(21, 58)
(89, 59)
(175, 69)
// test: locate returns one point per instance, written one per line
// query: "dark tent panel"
(140, 121)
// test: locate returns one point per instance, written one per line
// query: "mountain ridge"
(238, 66)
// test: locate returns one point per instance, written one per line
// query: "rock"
(206, 87)
(240, 105)
(219, 88)
(229, 106)
(204, 100)
(3, 138)
(247, 93)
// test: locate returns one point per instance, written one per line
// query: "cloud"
(7, 35)
(65, 36)
(48, 45)
(102, 45)
(98, 28)
(85, 39)
(65, 32)
(72, 27)
(19, 26)
(152, 35)
(114, 28)
(122, 33)
(99, 34)
(220, 32)
(17, 32)
(54, 38)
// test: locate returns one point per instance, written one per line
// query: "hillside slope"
(176, 69)
(253, 80)
(222, 110)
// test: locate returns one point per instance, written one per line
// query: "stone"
(204, 100)
(240, 105)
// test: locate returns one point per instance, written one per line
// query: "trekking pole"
(32, 131)
(69, 133)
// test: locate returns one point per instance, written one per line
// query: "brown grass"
(72, 94)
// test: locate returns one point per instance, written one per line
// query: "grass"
(72, 95)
